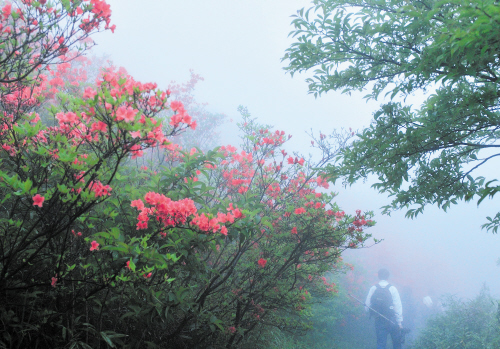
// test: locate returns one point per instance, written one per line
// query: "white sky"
(236, 46)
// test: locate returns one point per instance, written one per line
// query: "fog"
(236, 46)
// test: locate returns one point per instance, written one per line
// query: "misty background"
(237, 47)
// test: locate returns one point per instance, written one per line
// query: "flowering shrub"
(100, 245)
(264, 268)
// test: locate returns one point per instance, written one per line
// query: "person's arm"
(398, 307)
(369, 298)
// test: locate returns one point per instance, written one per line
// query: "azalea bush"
(112, 234)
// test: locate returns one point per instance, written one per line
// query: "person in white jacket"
(384, 299)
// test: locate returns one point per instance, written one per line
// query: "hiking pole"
(376, 312)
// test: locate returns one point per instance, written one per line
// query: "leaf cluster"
(429, 155)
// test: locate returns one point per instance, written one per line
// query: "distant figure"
(428, 302)
(431, 306)
(386, 306)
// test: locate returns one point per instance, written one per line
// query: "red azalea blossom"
(76, 235)
(6, 10)
(38, 200)
(262, 262)
(126, 114)
(99, 126)
(223, 230)
(100, 189)
(135, 134)
(300, 210)
(94, 245)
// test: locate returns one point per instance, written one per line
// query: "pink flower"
(176, 105)
(231, 329)
(68, 118)
(76, 234)
(54, 281)
(89, 93)
(94, 245)
(127, 114)
(262, 262)
(57, 81)
(135, 134)
(147, 276)
(99, 126)
(101, 8)
(300, 210)
(136, 151)
(128, 265)
(223, 231)
(38, 200)
(100, 189)
(36, 119)
(294, 230)
(6, 10)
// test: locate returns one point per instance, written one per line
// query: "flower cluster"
(166, 211)
(172, 213)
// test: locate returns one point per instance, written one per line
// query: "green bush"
(464, 324)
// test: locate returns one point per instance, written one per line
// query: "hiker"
(430, 306)
(384, 299)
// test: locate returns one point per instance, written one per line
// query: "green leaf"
(107, 340)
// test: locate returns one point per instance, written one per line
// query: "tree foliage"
(421, 156)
